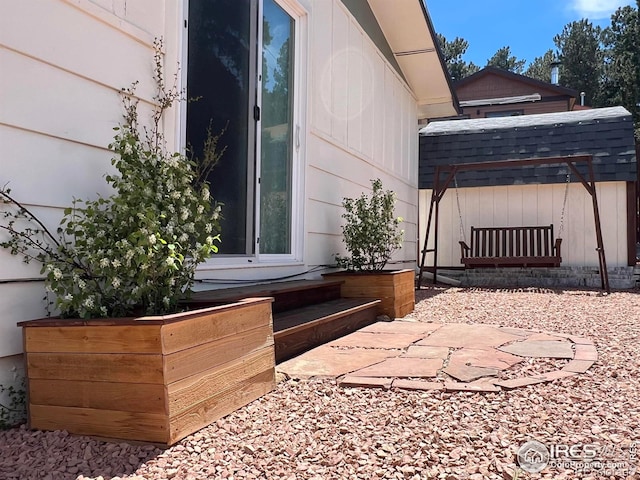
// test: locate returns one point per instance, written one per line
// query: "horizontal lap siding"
(534, 205)
(363, 126)
(63, 64)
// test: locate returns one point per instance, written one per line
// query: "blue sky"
(527, 26)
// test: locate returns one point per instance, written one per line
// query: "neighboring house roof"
(604, 133)
(507, 75)
(407, 26)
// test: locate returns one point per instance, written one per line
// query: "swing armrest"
(556, 247)
(464, 249)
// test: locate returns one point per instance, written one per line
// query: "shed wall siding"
(525, 205)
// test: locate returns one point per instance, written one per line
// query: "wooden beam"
(580, 177)
(604, 274)
(513, 163)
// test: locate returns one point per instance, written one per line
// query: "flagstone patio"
(452, 357)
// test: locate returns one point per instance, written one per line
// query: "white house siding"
(363, 126)
(524, 205)
(62, 63)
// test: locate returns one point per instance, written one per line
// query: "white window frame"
(300, 119)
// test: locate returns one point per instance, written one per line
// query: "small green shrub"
(371, 232)
(15, 410)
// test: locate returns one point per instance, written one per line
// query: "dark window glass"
(219, 84)
(277, 130)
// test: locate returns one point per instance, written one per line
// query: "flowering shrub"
(371, 233)
(136, 250)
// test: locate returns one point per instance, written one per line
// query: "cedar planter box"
(395, 289)
(151, 379)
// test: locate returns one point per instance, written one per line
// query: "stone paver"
(468, 373)
(370, 382)
(586, 352)
(484, 357)
(580, 340)
(403, 367)
(405, 384)
(461, 335)
(578, 366)
(402, 326)
(401, 354)
(332, 362)
(540, 349)
(521, 332)
(427, 352)
(377, 340)
(538, 337)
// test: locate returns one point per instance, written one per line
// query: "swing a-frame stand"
(445, 174)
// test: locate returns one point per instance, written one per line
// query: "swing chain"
(564, 205)
(462, 235)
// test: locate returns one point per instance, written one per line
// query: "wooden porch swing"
(530, 246)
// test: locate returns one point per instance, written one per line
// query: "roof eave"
(409, 31)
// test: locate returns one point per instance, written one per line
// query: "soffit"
(409, 32)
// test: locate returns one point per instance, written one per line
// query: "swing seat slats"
(511, 247)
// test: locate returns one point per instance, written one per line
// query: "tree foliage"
(453, 52)
(622, 61)
(540, 68)
(505, 60)
(582, 59)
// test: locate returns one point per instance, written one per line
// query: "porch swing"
(531, 246)
(511, 246)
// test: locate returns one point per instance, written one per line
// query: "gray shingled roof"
(604, 133)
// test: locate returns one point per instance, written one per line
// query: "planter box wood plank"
(98, 395)
(206, 397)
(155, 379)
(100, 338)
(395, 289)
(147, 427)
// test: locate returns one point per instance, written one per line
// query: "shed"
(535, 195)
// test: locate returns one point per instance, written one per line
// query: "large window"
(240, 80)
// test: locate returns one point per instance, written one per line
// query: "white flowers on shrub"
(83, 264)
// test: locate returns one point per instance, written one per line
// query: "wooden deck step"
(298, 330)
(287, 295)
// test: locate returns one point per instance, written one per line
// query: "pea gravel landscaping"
(314, 429)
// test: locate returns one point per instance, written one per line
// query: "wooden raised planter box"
(395, 289)
(151, 379)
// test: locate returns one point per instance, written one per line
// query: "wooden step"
(287, 295)
(299, 330)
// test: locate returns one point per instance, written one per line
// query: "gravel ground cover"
(316, 430)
